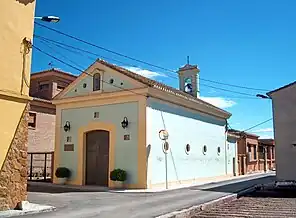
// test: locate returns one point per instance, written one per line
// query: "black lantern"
(124, 123)
(67, 126)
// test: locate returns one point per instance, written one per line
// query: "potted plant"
(118, 176)
(63, 174)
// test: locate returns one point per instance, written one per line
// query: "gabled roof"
(241, 133)
(188, 67)
(152, 83)
(158, 85)
(283, 87)
(52, 71)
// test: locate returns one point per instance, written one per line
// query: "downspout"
(226, 132)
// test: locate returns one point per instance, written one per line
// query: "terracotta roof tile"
(54, 70)
(158, 85)
(238, 132)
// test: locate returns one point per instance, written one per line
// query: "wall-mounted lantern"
(67, 126)
(124, 123)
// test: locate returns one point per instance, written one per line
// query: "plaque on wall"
(126, 137)
(68, 147)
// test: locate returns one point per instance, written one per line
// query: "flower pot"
(118, 184)
(62, 181)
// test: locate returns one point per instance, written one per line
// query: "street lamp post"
(51, 19)
(262, 96)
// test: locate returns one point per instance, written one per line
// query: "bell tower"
(189, 79)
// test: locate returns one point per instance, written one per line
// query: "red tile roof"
(53, 70)
(158, 85)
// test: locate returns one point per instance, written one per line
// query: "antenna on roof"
(188, 60)
(51, 64)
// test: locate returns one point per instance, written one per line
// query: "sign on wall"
(68, 147)
(126, 137)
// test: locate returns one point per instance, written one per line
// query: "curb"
(188, 212)
(15, 213)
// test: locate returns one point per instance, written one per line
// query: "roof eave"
(203, 108)
(269, 94)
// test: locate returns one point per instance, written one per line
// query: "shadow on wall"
(25, 2)
(235, 186)
(148, 150)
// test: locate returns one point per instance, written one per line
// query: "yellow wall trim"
(101, 96)
(14, 96)
(89, 102)
(80, 177)
(142, 152)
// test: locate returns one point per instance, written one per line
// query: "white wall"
(284, 115)
(184, 127)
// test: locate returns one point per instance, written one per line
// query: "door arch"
(97, 146)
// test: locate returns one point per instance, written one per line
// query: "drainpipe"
(226, 151)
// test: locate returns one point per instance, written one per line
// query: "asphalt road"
(135, 205)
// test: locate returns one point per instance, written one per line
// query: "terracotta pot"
(62, 181)
(118, 184)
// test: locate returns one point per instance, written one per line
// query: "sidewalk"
(56, 188)
(117, 204)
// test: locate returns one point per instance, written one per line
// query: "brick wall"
(41, 138)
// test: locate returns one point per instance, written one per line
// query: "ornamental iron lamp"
(67, 126)
(124, 123)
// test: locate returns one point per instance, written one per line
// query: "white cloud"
(143, 72)
(266, 136)
(263, 130)
(219, 102)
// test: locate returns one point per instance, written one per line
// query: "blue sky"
(248, 43)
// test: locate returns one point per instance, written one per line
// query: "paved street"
(270, 203)
(135, 205)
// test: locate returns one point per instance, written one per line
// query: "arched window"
(96, 82)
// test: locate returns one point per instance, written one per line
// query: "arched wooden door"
(97, 158)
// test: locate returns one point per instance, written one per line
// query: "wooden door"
(97, 158)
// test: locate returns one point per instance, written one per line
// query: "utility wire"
(259, 124)
(63, 62)
(138, 60)
(65, 57)
(64, 46)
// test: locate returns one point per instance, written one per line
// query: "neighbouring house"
(16, 29)
(284, 121)
(232, 154)
(44, 86)
(267, 147)
(250, 152)
(110, 117)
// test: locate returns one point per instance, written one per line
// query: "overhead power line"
(138, 60)
(259, 124)
(82, 71)
(74, 49)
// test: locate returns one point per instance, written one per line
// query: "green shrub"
(118, 175)
(63, 172)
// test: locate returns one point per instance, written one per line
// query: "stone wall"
(13, 175)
